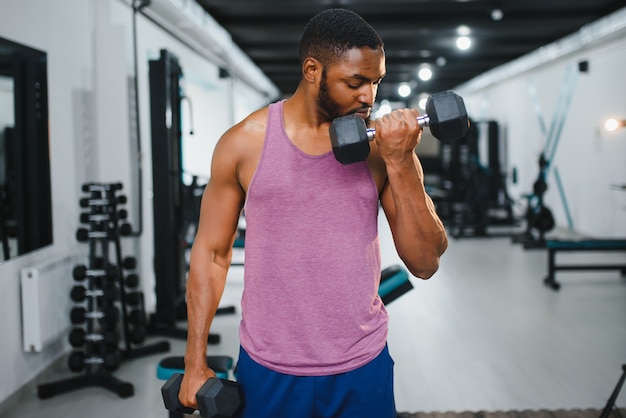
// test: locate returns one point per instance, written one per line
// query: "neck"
(301, 108)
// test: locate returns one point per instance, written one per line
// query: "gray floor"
(483, 334)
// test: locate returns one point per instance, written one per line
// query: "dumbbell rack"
(105, 292)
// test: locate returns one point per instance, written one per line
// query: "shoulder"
(239, 149)
(243, 137)
(250, 129)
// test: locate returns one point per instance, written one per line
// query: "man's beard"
(327, 107)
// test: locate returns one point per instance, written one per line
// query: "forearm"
(419, 234)
(205, 286)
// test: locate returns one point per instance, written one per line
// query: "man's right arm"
(210, 259)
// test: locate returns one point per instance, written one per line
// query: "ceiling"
(415, 32)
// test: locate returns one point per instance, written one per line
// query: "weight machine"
(176, 205)
(478, 198)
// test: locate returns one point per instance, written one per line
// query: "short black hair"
(333, 32)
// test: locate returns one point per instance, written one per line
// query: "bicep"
(221, 205)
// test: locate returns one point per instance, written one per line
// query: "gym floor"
(483, 334)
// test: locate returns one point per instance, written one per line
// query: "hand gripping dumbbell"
(445, 115)
(217, 398)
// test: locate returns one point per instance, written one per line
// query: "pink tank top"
(310, 304)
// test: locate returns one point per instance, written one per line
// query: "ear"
(312, 70)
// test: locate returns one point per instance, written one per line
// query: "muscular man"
(313, 332)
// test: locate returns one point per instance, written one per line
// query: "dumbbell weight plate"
(170, 391)
(76, 361)
(218, 398)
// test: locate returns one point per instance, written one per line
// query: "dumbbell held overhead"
(446, 117)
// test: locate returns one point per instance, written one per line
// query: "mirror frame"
(27, 216)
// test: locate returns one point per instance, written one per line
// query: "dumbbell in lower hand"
(217, 398)
(446, 117)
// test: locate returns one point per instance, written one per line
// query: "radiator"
(46, 302)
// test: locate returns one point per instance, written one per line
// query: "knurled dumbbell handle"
(423, 121)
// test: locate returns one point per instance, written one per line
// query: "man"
(313, 332)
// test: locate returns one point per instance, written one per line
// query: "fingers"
(190, 385)
(398, 132)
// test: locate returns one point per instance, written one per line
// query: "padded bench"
(394, 282)
(555, 246)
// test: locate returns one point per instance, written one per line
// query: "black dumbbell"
(83, 235)
(129, 263)
(136, 334)
(78, 360)
(217, 398)
(86, 202)
(132, 280)
(135, 298)
(81, 272)
(109, 314)
(80, 293)
(78, 337)
(126, 229)
(87, 217)
(97, 187)
(137, 318)
(445, 115)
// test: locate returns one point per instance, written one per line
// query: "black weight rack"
(109, 315)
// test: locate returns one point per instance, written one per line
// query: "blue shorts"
(366, 392)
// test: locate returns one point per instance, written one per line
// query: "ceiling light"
(463, 43)
(463, 30)
(614, 124)
(496, 14)
(404, 89)
(441, 61)
(422, 101)
(425, 73)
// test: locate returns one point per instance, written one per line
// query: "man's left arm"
(419, 235)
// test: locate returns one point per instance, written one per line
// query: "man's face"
(350, 84)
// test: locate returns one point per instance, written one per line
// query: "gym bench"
(555, 246)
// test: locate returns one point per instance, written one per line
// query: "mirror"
(25, 197)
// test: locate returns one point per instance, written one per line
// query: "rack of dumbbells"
(107, 301)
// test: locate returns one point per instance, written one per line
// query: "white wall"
(588, 159)
(90, 69)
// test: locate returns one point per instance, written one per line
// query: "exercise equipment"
(102, 294)
(78, 337)
(539, 217)
(217, 398)
(80, 293)
(81, 272)
(610, 404)
(108, 314)
(86, 217)
(475, 194)
(176, 206)
(77, 361)
(555, 246)
(394, 282)
(445, 115)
